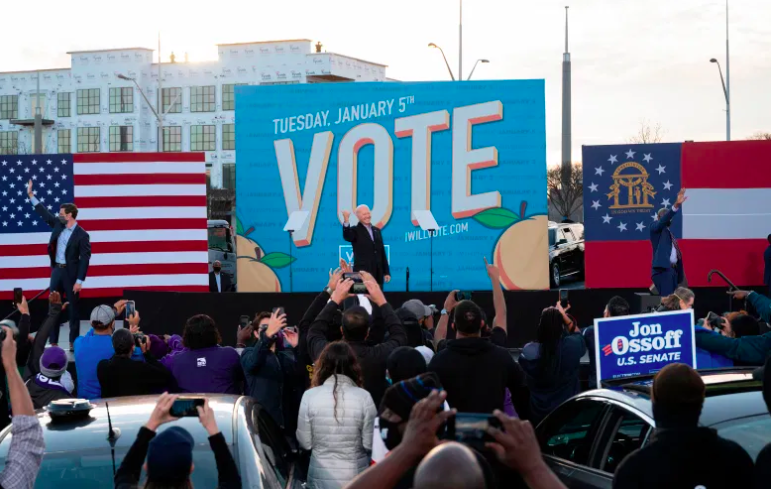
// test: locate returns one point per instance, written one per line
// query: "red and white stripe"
(146, 217)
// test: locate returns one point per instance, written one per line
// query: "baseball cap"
(170, 456)
(53, 363)
(103, 314)
(416, 307)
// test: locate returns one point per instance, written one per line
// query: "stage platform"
(166, 312)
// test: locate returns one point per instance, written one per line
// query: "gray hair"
(361, 207)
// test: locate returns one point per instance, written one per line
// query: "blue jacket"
(767, 271)
(661, 241)
(706, 359)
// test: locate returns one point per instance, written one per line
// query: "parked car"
(566, 251)
(586, 438)
(79, 456)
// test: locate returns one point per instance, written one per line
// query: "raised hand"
(30, 193)
(493, 272)
(450, 302)
(681, 197)
(516, 445)
(24, 307)
(342, 291)
(207, 419)
(375, 293)
(160, 414)
(275, 324)
(345, 266)
(334, 278)
(346, 214)
(291, 337)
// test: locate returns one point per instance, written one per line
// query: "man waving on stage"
(367, 242)
(70, 251)
(667, 270)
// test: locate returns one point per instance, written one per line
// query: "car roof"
(127, 414)
(731, 393)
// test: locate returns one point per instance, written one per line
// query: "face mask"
(389, 433)
(217, 269)
(62, 219)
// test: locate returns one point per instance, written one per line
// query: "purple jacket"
(213, 370)
(176, 346)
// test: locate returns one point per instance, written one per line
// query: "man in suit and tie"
(767, 271)
(218, 281)
(667, 270)
(70, 251)
(367, 242)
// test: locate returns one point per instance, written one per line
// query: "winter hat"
(158, 347)
(170, 456)
(399, 398)
(405, 363)
(411, 326)
(103, 315)
(53, 363)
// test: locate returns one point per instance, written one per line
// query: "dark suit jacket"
(78, 252)
(367, 255)
(661, 240)
(767, 271)
(224, 282)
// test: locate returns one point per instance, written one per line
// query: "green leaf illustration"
(496, 218)
(277, 260)
(239, 227)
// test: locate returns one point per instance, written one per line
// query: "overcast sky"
(633, 60)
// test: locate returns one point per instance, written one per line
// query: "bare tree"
(220, 202)
(760, 135)
(648, 133)
(565, 199)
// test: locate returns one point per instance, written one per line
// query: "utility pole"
(727, 80)
(460, 44)
(158, 99)
(567, 140)
(38, 138)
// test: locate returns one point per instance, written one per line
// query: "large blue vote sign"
(643, 344)
(473, 154)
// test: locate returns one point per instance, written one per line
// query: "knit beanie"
(400, 397)
(53, 363)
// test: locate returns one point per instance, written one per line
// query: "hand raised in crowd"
(133, 321)
(375, 293)
(55, 298)
(342, 291)
(275, 324)
(450, 302)
(492, 271)
(516, 445)
(681, 197)
(425, 419)
(292, 337)
(739, 294)
(23, 307)
(145, 345)
(334, 277)
(119, 307)
(161, 414)
(8, 349)
(345, 266)
(346, 214)
(207, 419)
(243, 335)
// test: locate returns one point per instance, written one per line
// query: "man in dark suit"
(667, 270)
(70, 251)
(367, 242)
(767, 271)
(218, 281)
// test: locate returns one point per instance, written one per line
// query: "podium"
(427, 222)
(296, 221)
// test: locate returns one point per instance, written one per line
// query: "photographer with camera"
(96, 345)
(122, 376)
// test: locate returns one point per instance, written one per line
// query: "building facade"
(96, 105)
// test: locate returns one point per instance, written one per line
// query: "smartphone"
(564, 298)
(462, 295)
(131, 308)
(244, 320)
(358, 286)
(279, 311)
(471, 429)
(714, 320)
(186, 407)
(17, 295)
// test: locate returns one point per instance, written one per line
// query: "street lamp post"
(475, 67)
(727, 100)
(150, 105)
(432, 45)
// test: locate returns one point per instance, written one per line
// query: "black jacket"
(367, 255)
(475, 373)
(78, 252)
(372, 358)
(268, 376)
(131, 468)
(122, 376)
(41, 396)
(763, 468)
(225, 283)
(685, 459)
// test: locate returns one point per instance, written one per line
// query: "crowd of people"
(365, 389)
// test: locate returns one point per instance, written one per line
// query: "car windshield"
(219, 239)
(752, 432)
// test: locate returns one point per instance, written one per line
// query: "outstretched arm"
(499, 301)
(349, 234)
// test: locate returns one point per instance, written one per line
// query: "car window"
(568, 433)
(752, 433)
(629, 433)
(552, 236)
(273, 444)
(568, 235)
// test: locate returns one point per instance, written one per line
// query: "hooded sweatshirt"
(475, 373)
(680, 459)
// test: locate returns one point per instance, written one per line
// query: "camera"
(358, 286)
(139, 339)
(714, 321)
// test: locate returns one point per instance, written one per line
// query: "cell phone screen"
(17, 295)
(563, 298)
(358, 286)
(183, 408)
(279, 311)
(131, 308)
(244, 321)
(462, 295)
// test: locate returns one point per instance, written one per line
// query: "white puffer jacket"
(339, 446)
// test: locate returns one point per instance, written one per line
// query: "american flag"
(145, 214)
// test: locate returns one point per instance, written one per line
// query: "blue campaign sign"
(643, 344)
(471, 153)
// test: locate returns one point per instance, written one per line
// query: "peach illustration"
(254, 276)
(247, 247)
(522, 254)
